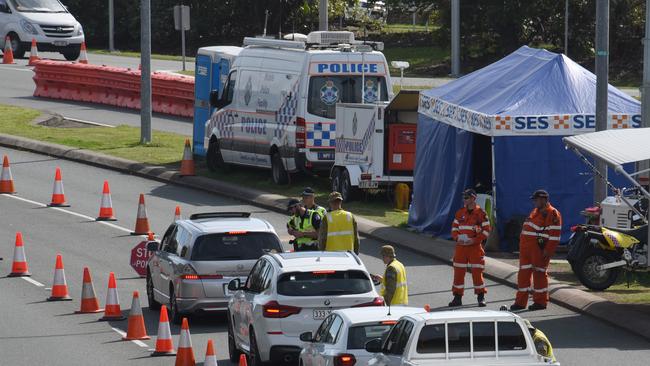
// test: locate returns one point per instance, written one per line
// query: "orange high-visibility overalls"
(475, 225)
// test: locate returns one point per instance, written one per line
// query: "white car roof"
(369, 314)
(456, 315)
(226, 224)
(311, 261)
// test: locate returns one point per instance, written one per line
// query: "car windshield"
(324, 283)
(234, 246)
(360, 335)
(326, 91)
(39, 6)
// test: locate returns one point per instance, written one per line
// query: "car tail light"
(240, 232)
(323, 272)
(345, 359)
(301, 132)
(378, 301)
(201, 277)
(274, 310)
(190, 277)
(389, 322)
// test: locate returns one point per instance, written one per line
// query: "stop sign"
(139, 258)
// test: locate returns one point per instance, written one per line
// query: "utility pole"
(645, 88)
(602, 73)
(455, 38)
(145, 78)
(566, 27)
(111, 26)
(322, 15)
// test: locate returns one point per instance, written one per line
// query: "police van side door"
(229, 113)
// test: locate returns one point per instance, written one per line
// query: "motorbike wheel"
(589, 276)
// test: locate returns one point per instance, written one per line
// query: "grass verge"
(137, 55)
(419, 57)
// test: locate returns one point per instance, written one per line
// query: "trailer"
(375, 144)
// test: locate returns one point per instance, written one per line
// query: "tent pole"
(494, 183)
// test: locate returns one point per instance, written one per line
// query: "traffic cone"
(210, 356)
(164, 342)
(187, 164)
(177, 214)
(136, 328)
(33, 54)
(8, 55)
(242, 360)
(58, 196)
(6, 180)
(112, 309)
(59, 285)
(185, 354)
(141, 222)
(19, 267)
(83, 55)
(106, 207)
(89, 301)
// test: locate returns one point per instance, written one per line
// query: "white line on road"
(123, 334)
(33, 282)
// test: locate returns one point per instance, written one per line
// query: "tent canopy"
(614, 147)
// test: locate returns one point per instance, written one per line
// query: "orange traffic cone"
(177, 214)
(136, 328)
(187, 164)
(8, 55)
(33, 53)
(58, 196)
(112, 309)
(59, 285)
(106, 207)
(185, 354)
(141, 222)
(210, 356)
(19, 268)
(164, 342)
(83, 55)
(6, 180)
(89, 301)
(242, 360)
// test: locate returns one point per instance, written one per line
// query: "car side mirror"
(152, 246)
(306, 337)
(374, 346)
(234, 284)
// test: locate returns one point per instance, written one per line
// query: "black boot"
(515, 307)
(535, 306)
(481, 300)
(456, 302)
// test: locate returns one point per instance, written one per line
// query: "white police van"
(277, 109)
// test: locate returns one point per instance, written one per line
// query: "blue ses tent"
(501, 127)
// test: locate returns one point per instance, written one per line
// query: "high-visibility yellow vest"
(543, 345)
(340, 231)
(401, 296)
(320, 210)
(303, 226)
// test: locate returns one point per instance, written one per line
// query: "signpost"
(182, 23)
(139, 258)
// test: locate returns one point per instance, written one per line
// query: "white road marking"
(33, 282)
(123, 334)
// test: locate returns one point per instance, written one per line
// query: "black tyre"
(589, 276)
(153, 304)
(71, 55)
(348, 191)
(254, 358)
(336, 180)
(233, 352)
(280, 175)
(214, 158)
(174, 314)
(16, 46)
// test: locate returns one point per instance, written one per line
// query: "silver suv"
(192, 265)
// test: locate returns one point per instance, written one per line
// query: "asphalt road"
(33, 331)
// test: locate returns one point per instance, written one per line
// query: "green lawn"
(419, 58)
(405, 28)
(137, 55)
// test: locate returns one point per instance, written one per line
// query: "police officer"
(394, 287)
(539, 238)
(309, 201)
(542, 344)
(303, 225)
(338, 228)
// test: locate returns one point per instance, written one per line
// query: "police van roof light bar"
(274, 43)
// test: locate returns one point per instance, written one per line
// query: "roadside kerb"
(567, 296)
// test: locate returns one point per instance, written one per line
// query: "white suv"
(287, 294)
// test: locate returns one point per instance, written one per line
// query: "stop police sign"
(139, 258)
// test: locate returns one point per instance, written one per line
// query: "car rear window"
(511, 337)
(360, 335)
(234, 246)
(324, 283)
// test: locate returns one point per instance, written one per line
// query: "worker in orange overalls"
(469, 230)
(539, 238)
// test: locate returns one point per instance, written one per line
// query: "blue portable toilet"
(210, 73)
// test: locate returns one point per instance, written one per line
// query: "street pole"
(111, 26)
(145, 79)
(566, 27)
(602, 66)
(455, 38)
(183, 35)
(322, 15)
(645, 97)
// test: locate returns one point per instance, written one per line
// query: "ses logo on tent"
(577, 121)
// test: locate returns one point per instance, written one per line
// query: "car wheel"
(336, 180)
(214, 157)
(280, 175)
(153, 304)
(233, 352)
(348, 192)
(16, 46)
(254, 358)
(72, 55)
(174, 314)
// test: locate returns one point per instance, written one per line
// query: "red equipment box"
(401, 146)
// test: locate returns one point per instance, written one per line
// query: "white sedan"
(342, 337)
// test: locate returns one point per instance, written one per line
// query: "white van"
(47, 21)
(278, 106)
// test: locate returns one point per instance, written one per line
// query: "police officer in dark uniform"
(303, 225)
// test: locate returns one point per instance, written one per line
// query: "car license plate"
(225, 290)
(325, 156)
(367, 184)
(60, 43)
(320, 314)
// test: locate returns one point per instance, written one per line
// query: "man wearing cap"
(338, 231)
(539, 238)
(469, 230)
(394, 287)
(309, 201)
(303, 225)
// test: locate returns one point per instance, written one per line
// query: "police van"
(278, 105)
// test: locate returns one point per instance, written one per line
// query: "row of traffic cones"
(8, 54)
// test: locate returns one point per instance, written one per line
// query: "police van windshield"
(39, 6)
(326, 91)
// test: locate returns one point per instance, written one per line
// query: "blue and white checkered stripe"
(321, 135)
(221, 121)
(287, 113)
